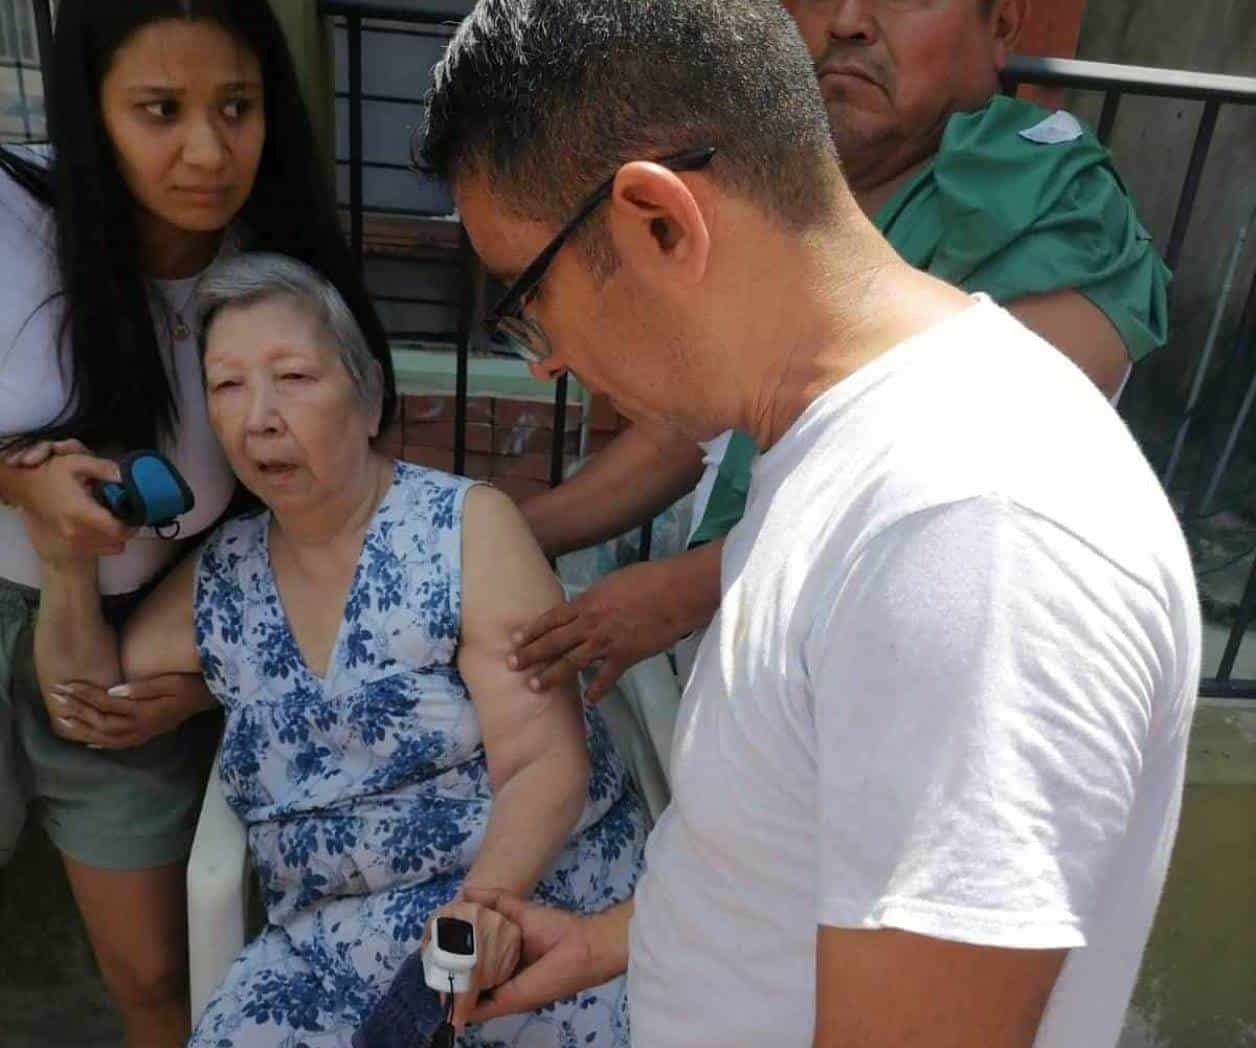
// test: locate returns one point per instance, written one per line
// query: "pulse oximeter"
(152, 493)
(449, 956)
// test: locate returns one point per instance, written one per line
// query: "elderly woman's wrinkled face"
(287, 413)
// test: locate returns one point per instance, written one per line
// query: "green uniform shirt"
(1016, 202)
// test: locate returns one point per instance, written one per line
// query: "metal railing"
(1115, 82)
(363, 18)
(25, 46)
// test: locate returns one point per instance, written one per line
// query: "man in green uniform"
(993, 194)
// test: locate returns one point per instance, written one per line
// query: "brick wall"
(508, 441)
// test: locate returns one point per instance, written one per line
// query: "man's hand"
(128, 715)
(498, 944)
(563, 953)
(623, 618)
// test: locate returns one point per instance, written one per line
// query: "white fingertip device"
(449, 956)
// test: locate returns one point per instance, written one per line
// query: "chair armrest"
(218, 873)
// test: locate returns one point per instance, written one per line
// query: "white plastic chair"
(218, 878)
(639, 713)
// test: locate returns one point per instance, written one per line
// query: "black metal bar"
(1107, 119)
(1190, 188)
(442, 339)
(1242, 618)
(382, 165)
(398, 100)
(560, 431)
(1131, 80)
(1202, 367)
(396, 13)
(418, 30)
(355, 136)
(1211, 688)
(643, 543)
(43, 33)
(401, 300)
(1244, 340)
(25, 104)
(400, 212)
(466, 302)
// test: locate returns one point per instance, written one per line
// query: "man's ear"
(1007, 22)
(657, 224)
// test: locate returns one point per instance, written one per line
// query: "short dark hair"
(546, 98)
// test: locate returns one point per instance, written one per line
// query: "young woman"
(177, 135)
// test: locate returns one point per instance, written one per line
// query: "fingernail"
(535, 684)
(62, 689)
(512, 661)
(120, 691)
(65, 722)
(62, 701)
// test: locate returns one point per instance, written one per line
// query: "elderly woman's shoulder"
(484, 500)
(482, 504)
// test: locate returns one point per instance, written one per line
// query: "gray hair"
(245, 279)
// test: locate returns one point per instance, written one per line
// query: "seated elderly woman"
(383, 755)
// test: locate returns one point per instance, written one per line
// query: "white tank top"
(34, 389)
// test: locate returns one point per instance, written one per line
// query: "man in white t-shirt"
(928, 766)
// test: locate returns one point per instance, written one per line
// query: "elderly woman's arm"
(538, 760)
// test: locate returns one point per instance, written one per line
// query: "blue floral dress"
(365, 792)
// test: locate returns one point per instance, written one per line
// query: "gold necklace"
(178, 326)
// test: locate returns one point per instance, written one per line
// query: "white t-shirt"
(948, 691)
(34, 389)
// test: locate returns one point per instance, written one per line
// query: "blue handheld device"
(152, 492)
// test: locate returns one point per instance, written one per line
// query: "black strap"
(445, 1033)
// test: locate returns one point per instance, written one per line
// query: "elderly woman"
(385, 758)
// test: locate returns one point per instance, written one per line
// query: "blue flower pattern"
(365, 792)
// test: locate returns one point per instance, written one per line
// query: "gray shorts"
(118, 810)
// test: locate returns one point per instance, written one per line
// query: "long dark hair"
(121, 394)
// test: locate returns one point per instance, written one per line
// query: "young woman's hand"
(38, 454)
(63, 519)
(128, 715)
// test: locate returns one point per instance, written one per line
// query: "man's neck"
(835, 308)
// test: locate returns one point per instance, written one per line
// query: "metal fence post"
(353, 23)
(43, 33)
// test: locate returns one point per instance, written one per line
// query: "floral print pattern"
(365, 792)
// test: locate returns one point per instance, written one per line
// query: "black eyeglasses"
(508, 329)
